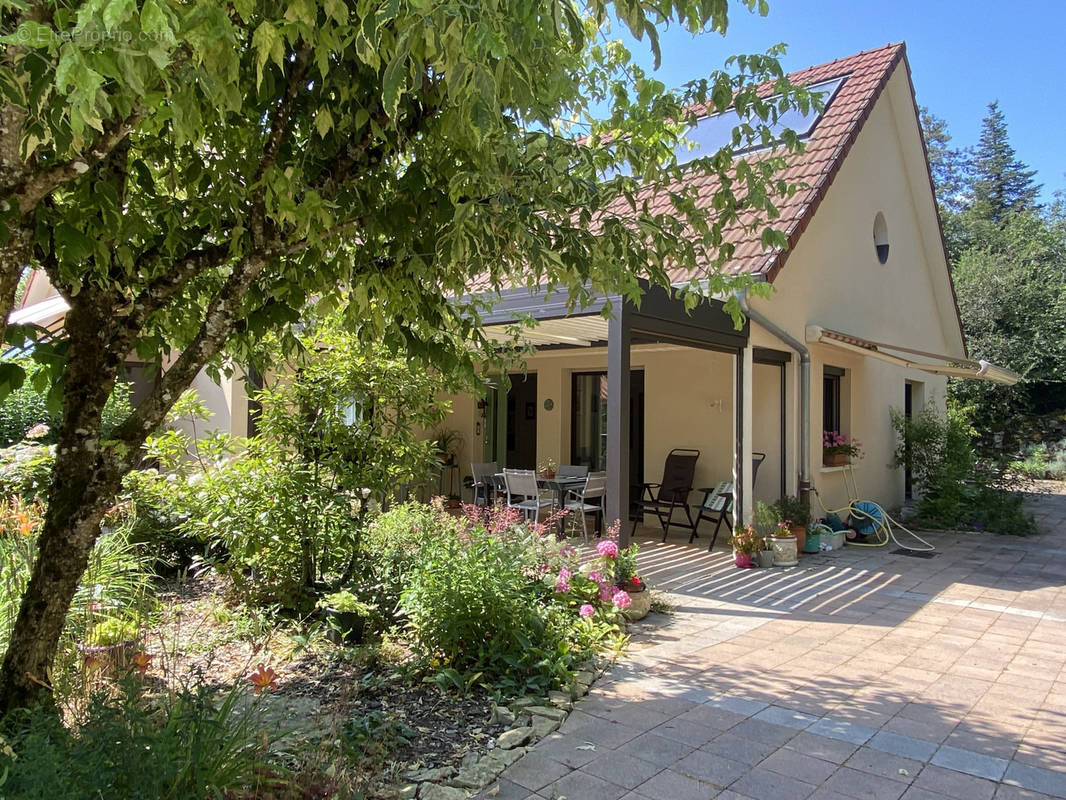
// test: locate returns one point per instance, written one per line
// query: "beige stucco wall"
(688, 403)
(834, 279)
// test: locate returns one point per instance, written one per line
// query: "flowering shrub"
(487, 593)
(834, 442)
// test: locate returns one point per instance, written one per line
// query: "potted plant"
(346, 616)
(797, 513)
(110, 643)
(448, 443)
(746, 543)
(838, 449)
(784, 541)
(616, 575)
(765, 556)
(548, 468)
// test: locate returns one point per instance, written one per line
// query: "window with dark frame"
(832, 377)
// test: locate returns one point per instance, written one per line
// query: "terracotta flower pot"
(800, 532)
(835, 459)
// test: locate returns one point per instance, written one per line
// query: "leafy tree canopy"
(193, 175)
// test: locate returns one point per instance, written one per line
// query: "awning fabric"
(911, 358)
(39, 313)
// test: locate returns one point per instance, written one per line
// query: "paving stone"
(766, 732)
(710, 767)
(744, 706)
(920, 793)
(721, 719)
(764, 783)
(535, 771)
(971, 763)
(836, 751)
(670, 785)
(737, 748)
(621, 768)
(656, 749)
(571, 750)
(906, 746)
(786, 717)
(1007, 792)
(887, 765)
(799, 765)
(687, 732)
(1037, 779)
(431, 791)
(845, 731)
(582, 785)
(604, 734)
(955, 784)
(863, 785)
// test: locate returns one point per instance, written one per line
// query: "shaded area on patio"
(858, 674)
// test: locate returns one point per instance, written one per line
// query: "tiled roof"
(827, 146)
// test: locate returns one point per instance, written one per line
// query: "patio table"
(560, 486)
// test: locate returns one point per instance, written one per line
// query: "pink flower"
(562, 586)
(587, 610)
(607, 549)
(621, 600)
(606, 593)
(595, 577)
(564, 573)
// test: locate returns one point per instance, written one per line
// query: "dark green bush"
(190, 745)
(957, 490)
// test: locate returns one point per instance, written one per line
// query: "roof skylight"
(716, 131)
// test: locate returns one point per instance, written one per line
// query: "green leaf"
(395, 79)
(31, 34)
(73, 245)
(12, 376)
(323, 121)
(268, 46)
(116, 11)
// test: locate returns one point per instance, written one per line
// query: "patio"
(859, 674)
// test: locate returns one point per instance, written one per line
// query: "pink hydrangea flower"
(587, 610)
(621, 600)
(605, 593)
(607, 549)
(595, 577)
(562, 586)
(564, 573)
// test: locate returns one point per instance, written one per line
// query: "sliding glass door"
(588, 422)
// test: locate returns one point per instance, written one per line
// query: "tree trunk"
(70, 530)
(85, 479)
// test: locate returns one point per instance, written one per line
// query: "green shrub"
(501, 603)
(1042, 461)
(956, 489)
(23, 409)
(189, 745)
(26, 470)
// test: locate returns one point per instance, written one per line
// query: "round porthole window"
(881, 237)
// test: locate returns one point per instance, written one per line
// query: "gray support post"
(619, 340)
(739, 517)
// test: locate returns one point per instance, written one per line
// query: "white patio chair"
(523, 492)
(594, 488)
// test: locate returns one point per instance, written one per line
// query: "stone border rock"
(529, 719)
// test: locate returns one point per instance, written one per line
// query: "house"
(862, 320)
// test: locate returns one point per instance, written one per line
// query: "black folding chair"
(672, 493)
(717, 505)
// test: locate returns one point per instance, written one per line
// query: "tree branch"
(40, 184)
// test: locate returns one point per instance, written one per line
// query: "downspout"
(805, 388)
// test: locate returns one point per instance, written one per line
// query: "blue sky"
(963, 55)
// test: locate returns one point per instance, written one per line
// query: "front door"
(588, 423)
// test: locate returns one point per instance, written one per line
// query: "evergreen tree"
(1002, 183)
(948, 165)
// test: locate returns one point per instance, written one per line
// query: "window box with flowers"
(839, 449)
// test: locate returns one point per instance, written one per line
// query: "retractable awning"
(914, 359)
